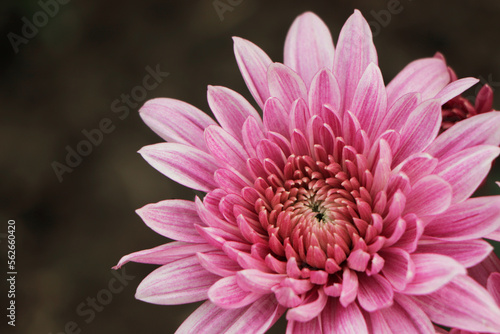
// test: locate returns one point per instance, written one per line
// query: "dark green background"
(64, 80)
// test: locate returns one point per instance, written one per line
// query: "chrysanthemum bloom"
(341, 206)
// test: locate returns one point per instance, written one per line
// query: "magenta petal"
(180, 282)
(176, 121)
(285, 84)
(226, 148)
(253, 64)
(218, 263)
(477, 130)
(166, 253)
(402, 317)
(211, 319)
(374, 293)
(427, 76)
(417, 166)
(297, 327)
(429, 196)
(174, 219)
(462, 303)
(258, 281)
(276, 116)
(467, 252)
(465, 170)
(342, 320)
(493, 286)
(455, 88)
(251, 133)
(186, 165)
(397, 115)
(420, 129)
(398, 269)
(471, 219)
(432, 271)
(226, 293)
(309, 309)
(369, 103)
(308, 46)
(355, 50)
(324, 90)
(230, 109)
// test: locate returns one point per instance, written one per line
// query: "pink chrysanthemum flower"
(341, 206)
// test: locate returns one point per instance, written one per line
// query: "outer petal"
(467, 252)
(493, 286)
(253, 64)
(324, 90)
(308, 46)
(432, 271)
(180, 282)
(402, 317)
(230, 108)
(462, 303)
(355, 50)
(428, 76)
(285, 84)
(374, 293)
(342, 320)
(174, 219)
(211, 319)
(398, 269)
(465, 170)
(183, 164)
(297, 327)
(166, 253)
(455, 88)
(429, 196)
(482, 129)
(227, 293)
(397, 114)
(473, 218)
(176, 121)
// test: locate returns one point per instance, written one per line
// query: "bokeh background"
(64, 80)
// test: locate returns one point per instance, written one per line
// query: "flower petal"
(398, 269)
(174, 219)
(428, 76)
(374, 293)
(465, 170)
(180, 282)
(258, 281)
(186, 165)
(355, 50)
(455, 88)
(253, 64)
(324, 90)
(429, 196)
(308, 46)
(342, 320)
(466, 252)
(176, 121)
(471, 219)
(230, 109)
(276, 117)
(285, 84)
(462, 303)
(432, 272)
(227, 293)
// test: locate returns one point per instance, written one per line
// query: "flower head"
(340, 206)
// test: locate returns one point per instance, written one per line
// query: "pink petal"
(493, 286)
(227, 149)
(355, 50)
(402, 317)
(258, 281)
(369, 103)
(427, 76)
(398, 269)
(374, 293)
(462, 303)
(482, 271)
(342, 320)
(308, 46)
(166, 253)
(350, 285)
(477, 130)
(417, 166)
(186, 165)
(324, 90)
(276, 117)
(471, 219)
(455, 88)
(285, 84)
(226, 293)
(397, 115)
(218, 263)
(484, 99)
(429, 196)
(174, 219)
(253, 64)
(251, 133)
(230, 109)
(299, 116)
(467, 252)
(211, 319)
(176, 121)
(465, 170)
(421, 128)
(180, 282)
(309, 309)
(297, 327)
(432, 272)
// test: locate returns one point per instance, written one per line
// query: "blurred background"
(76, 68)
